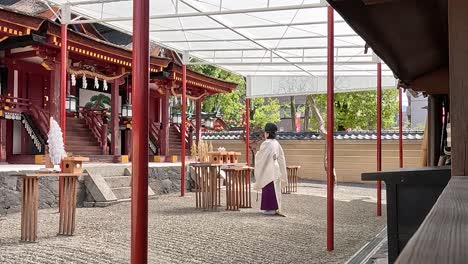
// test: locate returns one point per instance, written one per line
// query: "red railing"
(94, 120)
(21, 105)
(154, 132)
(188, 135)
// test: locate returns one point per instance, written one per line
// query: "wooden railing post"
(104, 139)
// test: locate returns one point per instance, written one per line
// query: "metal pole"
(379, 136)
(247, 131)
(400, 124)
(330, 128)
(140, 95)
(183, 127)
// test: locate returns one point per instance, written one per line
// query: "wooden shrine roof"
(410, 36)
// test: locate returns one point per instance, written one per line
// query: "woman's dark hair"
(271, 129)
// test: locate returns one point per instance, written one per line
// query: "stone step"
(71, 142)
(122, 192)
(118, 181)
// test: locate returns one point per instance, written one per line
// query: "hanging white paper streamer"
(105, 85)
(85, 83)
(73, 80)
(96, 83)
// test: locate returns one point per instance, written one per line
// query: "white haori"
(270, 166)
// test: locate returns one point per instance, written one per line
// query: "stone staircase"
(109, 184)
(175, 144)
(81, 141)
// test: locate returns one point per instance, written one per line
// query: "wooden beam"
(458, 63)
(26, 54)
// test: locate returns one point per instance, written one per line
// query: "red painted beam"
(183, 128)
(400, 124)
(140, 152)
(330, 130)
(379, 136)
(198, 109)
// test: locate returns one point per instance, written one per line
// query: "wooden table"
(207, 186)
(292, 179)
(238, 191)
(30, 202)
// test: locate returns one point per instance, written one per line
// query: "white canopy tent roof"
(259, 39)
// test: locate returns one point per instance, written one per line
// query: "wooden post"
(379, 136)
(164, 136)
(140, 129)
(198, 120)
(114, 122)
(458, 63)
(434, 131)
(330, 129)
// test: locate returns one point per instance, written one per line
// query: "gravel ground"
(178, 233)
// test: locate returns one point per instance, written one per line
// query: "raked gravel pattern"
(179, 233)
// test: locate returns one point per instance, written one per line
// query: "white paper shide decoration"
(55, 141)
(96, 83)
(85, 84)
(73, 80)
(104, 85)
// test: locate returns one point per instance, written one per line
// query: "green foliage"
(232, 105)
(357, 110)
(102, 100)
(265, 111)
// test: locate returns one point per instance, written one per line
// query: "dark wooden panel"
(407, 174)
(443, 236)
(458, 58)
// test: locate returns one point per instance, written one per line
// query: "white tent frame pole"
(278, 49)
(267, 63)
(289, 57)
(249, 38)
(260, 39)
(248, 26)
(198, 13)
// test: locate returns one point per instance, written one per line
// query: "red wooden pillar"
(164, 136)
(183, 128)
(9, 123)
(3, 140)
(140, 95)
(379, 136)
(330, 130)
(400, 125)
(247, 131)
(63, 79)
(114, 122)
(198, 120)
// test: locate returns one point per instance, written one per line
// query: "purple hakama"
(269, 201)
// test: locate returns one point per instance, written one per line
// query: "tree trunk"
(322, 129)
(292, 107)
(306, 117)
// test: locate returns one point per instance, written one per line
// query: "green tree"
(357, 110)
(100, 100)
(232, 105)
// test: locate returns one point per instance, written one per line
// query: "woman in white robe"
(270, 171)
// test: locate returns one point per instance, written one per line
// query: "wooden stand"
(68, 206)
(30, 201)
(207, 186)
(292, 180)
(238, 188)
(30, 197)
(217, 157)
(73, 164)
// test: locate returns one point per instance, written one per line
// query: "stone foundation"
(162, 180)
